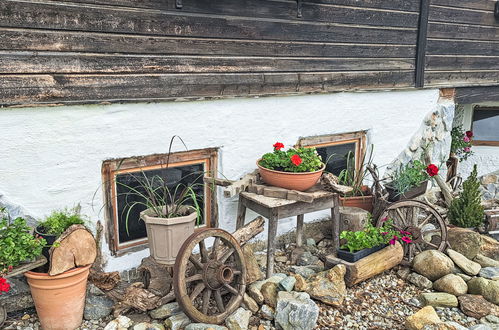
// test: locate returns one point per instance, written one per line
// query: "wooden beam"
(470, 95)
(421, 45)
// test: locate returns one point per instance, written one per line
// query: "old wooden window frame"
(110, 168)
(483, 142)
(358, 137)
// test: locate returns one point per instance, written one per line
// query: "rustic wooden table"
(275, 209)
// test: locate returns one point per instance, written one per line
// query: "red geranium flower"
(469, 134)
(432, 170)
(406, 239)
(4, 286)
(394, 240)
(278, 146)
(295, 159)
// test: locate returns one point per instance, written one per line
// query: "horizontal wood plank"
(469, 95)
(461, 78)
(462, 15)
(67, 41)
(462, 31)
(470, 4)
(134, 21)
(444, 62)
(462, 47)
(39, 63)
(39, 89)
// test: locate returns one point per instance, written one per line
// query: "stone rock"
(148, 326)
(486, 261)
(165, 311)
(239, 320)
(296, 311)
(480, 327)
(492, 319)
(94, 290)
(311, 242)
(452, 284)
(438, 299)
(492, 292)
(329, 286)
(287, 284)
(404, 272)
(420, 281)
(477, 285)
(250, 303)
(476, 306)
(97, 307)
(465, 277)
(306, 258)
(269, 291)
(465, 241)
(253, 271)
(282, 259)
(121, 322)
(489, 247)
(488, 179)
(300, 283)
(466, 265)
(204, 326)
(444, 326)
(139, 318)
(177, 321)
(424, 316)
(304, 271)
(255, 293)
(491, 273)
(267, 312)
(432, 264)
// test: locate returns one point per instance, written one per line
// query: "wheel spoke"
(196, 262)
(203, 251)
(421, 225)
(431, 244)
(419, 247)
(193, 278)
(219, 301)
(214, 248)
(226, 255)
(231, 289)
(410, 247)
(206, 300)
(197, 290)
(401, 217)
(236, 272)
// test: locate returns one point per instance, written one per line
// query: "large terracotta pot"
(59, 299)
(294, 181)
(166, 235)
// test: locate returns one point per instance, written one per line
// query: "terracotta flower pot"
(364, 202)
(166, 235)
(294, 181)
(59, 299)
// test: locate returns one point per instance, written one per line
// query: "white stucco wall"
(52, 157)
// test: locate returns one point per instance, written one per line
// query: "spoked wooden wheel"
(3, 315)
(425, 224)
(209, 285)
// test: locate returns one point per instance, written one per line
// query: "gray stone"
(311, 242)
(296, 311)
(148, 326)
(204, 326)
(486, 261)
(404, 272)
(177, 321)
(438, 299)
(139, 318)
(287, 284)
(465, 277)
(269, 291)
(478, 285)
(492, 292)
(491, 273)
(480, 327)
(306, 258)
(419, 281)
(432, 264)
(255, 293)
(329, 286)
(304, 271)
(97, 307)
(93, 290)
(452, 284)
(465, 241)
(250, 303)
(267, 312)
(239, 320)
(121, 322)
(165, 311)
(492, 319)
(469, 267)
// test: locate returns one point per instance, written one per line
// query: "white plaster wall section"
(52, 157)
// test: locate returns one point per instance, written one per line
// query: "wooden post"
(271, 245)
(335, 219)
(241, 213)
(299, 230)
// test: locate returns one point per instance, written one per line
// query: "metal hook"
(178, 4)
(298, 7)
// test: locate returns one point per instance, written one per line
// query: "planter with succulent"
(296, 169)
(410, 181)
(360, 244)
(355, 177)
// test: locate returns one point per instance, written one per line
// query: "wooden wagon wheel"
(426, 225)
(3, 315)
(209, 286)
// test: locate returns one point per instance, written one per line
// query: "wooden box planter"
(355, 256)
(394, 196)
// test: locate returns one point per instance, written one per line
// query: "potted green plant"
(461, 143)
(410, 180)
(295, 169)
(355, 177)
(360, 244)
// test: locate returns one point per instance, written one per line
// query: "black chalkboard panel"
(187, 174)
(336, 156)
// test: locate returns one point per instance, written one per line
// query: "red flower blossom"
(295, 159)
(466, 139)
(469, 134)
(467, 149)
(432, 170)
(4, 286)
(278, 146)
(10, 268)
(394, 239)
(384, 233)
(406, 239)
(384, 219)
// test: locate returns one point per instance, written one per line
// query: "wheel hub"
(216, 274)
(415, 233)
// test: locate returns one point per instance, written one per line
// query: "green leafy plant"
(461, 143)
(294, 160)
(373, 236)
(412, 175)
(17, 243)
(60, 220)
(466, 210)
(355, 177)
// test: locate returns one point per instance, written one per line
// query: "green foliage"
(60, 220)
(280, 160)
(355, 177)
(461, 143)
(466, 210)
(408, 176)
(17, 244)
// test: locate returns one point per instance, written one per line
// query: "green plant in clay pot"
(410, 180)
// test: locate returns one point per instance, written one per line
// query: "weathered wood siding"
(463, 44)
(84, 51)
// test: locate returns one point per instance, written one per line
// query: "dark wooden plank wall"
(463, 44)
(86, 51)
